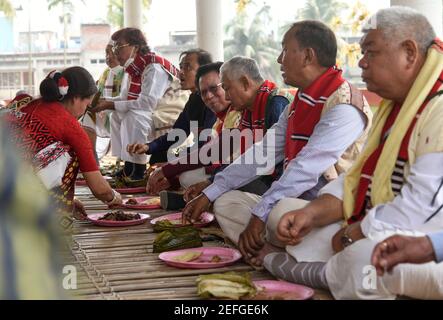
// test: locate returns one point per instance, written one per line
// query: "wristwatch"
(346, 240)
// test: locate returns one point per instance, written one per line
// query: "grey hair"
(399, 23)
(239, 66)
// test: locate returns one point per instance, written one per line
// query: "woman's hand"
(79, 211)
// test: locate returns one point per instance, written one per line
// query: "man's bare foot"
(268, 248)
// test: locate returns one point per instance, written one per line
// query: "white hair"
(239, 66)
(402, 23)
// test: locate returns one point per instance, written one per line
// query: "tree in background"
(346, 21)
(254, 40)
(322, 10)
(115, 12)
(7, 8)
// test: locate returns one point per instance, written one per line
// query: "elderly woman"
(49, 135)
(149, 79)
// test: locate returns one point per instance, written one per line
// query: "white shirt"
(409, 210)
(335, 132)
(155, 82)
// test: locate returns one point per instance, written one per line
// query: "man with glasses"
(260, 103)
(213, 96)
(318, 137)
(194, 111)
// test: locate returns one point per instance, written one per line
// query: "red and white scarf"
(255, 119)
(306, 110)
(363, 199)
(136, 69)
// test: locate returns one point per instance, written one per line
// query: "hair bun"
(61, 82)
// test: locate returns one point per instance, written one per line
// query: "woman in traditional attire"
(49, 135)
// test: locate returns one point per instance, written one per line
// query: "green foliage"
(7, 8)
(254, 40)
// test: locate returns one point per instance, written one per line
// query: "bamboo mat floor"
(118, 263)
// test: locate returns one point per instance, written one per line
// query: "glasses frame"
(211, 89)
(115, 49)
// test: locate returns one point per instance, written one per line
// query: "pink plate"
(206, 219)
(282, 290)
(228, 257)
(94, 218)
(141, 206)
(131, 190)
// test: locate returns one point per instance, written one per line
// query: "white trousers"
(128, 128)
(233, 212)
(349, 273)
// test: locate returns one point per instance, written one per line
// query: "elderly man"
(318, 136)
(258, 100)
(395, 185)
(213, 95)
(195, 109)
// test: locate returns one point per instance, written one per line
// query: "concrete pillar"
(133, 14)
(432, 9)
(210, 27)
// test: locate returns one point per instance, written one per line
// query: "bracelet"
(115, 199)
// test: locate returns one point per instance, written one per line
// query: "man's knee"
(283, 206)
(350, 274)
(223, 204)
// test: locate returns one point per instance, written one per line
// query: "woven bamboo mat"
(118, 263)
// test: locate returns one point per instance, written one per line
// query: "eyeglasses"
(211, 89)
(116, 49)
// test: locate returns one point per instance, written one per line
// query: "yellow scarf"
(381, 181)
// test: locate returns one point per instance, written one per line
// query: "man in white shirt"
(394, 188)
(318, 137)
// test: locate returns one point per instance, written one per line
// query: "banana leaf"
(229, 285)
(176, 239)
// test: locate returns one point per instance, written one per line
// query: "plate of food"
(142, 203)
(118, 219)
(201, 258)
(175, 221)
(281, 290)
(131, 190)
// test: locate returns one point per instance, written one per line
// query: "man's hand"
(353, 231)
(401, 249)
(137, 148)
(79, 211)
(195, 208)
(294, 226)
(195, 190)
(157, 182)
(103, 105)
(251, 241)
